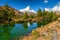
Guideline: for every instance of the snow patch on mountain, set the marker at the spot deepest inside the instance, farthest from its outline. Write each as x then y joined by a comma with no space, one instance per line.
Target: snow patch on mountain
56,8
47,9
27,9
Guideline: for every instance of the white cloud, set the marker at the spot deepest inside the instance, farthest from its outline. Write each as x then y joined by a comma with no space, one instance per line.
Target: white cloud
45,1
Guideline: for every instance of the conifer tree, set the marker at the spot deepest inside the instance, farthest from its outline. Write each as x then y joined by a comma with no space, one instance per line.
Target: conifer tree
39,13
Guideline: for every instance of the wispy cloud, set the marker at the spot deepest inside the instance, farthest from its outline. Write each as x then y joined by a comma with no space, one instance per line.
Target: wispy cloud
45,1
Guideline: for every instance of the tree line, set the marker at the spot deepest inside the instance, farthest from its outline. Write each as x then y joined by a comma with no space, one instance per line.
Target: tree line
7,14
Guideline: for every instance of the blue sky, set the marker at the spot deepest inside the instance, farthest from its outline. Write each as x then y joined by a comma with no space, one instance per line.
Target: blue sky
34,4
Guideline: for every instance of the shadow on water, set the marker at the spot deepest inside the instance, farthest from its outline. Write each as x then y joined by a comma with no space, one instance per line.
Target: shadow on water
5,31
25,26
22,29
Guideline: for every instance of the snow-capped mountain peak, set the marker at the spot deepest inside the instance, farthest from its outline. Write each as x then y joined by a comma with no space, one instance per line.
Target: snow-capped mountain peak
56,8
27,9
47,9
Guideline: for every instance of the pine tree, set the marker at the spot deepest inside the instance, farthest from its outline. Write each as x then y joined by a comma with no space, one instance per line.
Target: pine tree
39,13
25,16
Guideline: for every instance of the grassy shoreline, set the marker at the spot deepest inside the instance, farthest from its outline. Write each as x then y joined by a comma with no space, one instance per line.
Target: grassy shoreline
43,33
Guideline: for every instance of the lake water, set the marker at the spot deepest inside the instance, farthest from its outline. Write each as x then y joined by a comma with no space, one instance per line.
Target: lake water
12,31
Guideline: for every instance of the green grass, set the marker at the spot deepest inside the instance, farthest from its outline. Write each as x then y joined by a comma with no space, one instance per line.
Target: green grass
35,34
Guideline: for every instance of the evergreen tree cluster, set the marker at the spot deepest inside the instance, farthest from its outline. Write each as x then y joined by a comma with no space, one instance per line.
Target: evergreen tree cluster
6,14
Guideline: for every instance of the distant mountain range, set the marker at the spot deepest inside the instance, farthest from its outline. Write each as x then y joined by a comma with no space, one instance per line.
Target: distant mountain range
56,8
27,9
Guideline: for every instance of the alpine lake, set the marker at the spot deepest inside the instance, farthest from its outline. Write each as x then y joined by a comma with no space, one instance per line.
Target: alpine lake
15,30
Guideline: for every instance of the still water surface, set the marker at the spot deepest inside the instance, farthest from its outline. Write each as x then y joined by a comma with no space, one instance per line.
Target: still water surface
12,31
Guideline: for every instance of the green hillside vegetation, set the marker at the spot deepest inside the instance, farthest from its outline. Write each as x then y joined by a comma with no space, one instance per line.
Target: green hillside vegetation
7,14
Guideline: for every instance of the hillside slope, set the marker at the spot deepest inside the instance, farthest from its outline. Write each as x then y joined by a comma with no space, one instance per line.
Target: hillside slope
17,12
50,31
